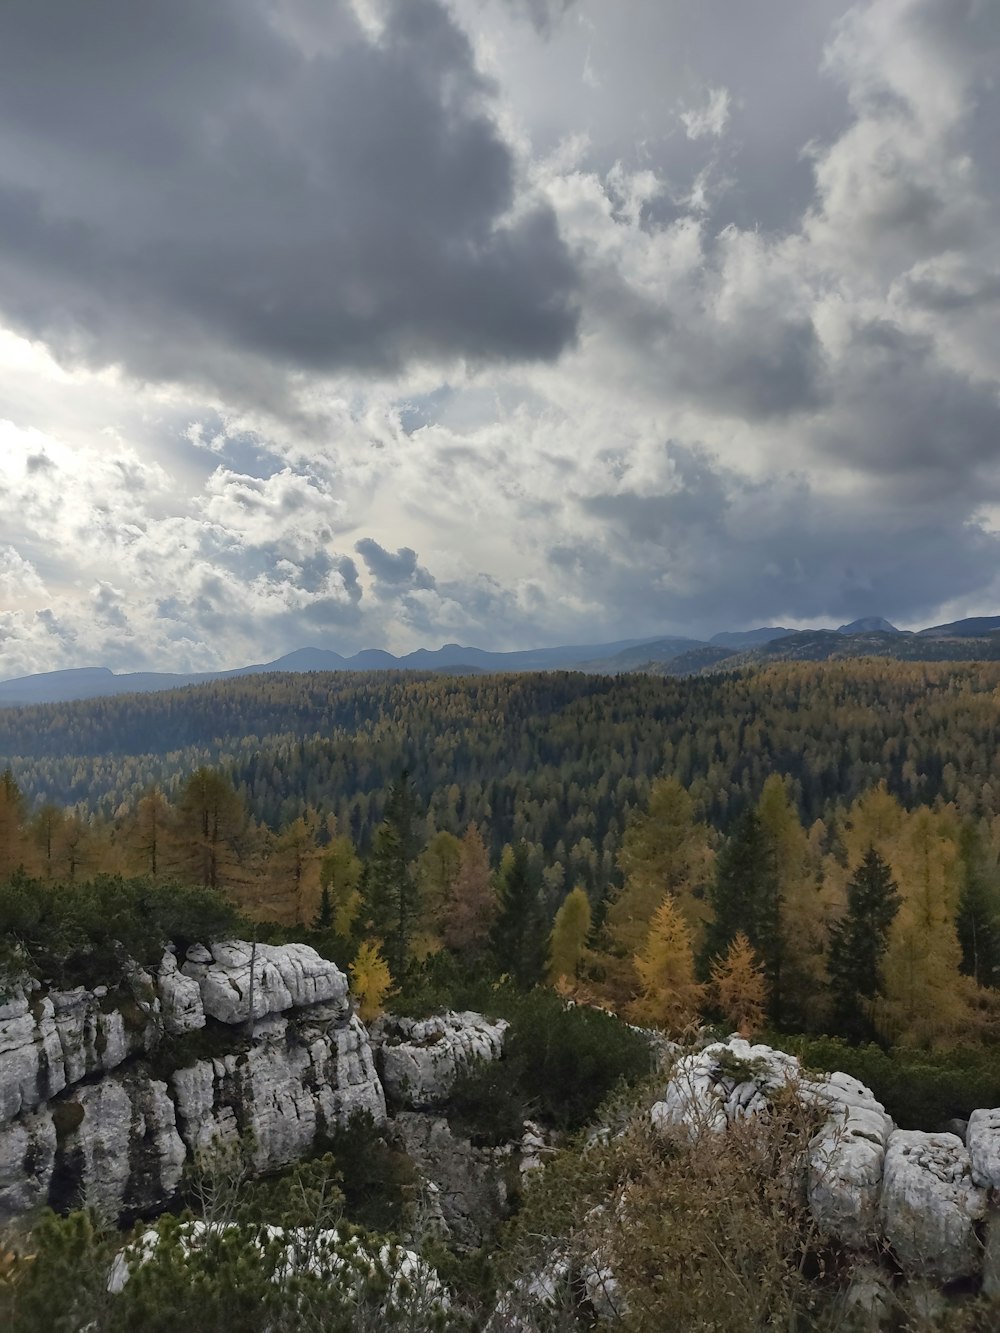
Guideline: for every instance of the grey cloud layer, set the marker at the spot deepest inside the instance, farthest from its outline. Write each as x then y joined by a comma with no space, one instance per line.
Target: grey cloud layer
534,242
186,184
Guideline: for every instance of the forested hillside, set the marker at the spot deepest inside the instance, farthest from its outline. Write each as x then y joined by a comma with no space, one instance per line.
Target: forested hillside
558,760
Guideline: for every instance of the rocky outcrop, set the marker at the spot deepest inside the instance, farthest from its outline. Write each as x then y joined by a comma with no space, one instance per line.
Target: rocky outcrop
930,1206
239,981
468,1182
868,1184
982,1136
296,1078
420,1059
84,1118
49,1041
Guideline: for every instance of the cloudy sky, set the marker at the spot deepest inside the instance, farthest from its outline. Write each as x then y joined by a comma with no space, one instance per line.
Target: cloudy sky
511,322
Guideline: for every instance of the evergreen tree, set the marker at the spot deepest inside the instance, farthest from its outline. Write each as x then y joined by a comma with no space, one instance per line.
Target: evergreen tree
858,944
518,934
390,903
978,920
665,965
745,898
568,941
323,919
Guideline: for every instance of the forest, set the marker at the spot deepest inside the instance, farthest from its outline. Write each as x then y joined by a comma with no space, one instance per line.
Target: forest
826,834
808,855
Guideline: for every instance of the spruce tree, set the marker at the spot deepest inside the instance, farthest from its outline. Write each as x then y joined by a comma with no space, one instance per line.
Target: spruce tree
519,934
858,943
745,897
978,920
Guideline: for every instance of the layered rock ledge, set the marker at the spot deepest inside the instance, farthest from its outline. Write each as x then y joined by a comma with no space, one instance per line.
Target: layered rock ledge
105,1095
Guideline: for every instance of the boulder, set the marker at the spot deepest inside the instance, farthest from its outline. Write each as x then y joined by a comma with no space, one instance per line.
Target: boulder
982,1138
420,1059
180,998
282,977
27,1159
930,1205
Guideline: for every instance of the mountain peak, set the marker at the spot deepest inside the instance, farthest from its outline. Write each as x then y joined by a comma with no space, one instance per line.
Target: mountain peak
869,625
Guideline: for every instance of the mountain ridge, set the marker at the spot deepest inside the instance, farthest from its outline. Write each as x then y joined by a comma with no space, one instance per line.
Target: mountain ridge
976,636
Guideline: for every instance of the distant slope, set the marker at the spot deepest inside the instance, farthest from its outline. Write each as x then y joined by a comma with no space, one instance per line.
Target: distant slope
972,628
748,638
99,682
836,645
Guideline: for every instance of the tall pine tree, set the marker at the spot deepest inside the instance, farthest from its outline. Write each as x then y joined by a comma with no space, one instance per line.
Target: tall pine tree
519,936
858,943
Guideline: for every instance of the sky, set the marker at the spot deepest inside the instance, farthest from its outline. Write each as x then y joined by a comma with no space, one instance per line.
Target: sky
392,323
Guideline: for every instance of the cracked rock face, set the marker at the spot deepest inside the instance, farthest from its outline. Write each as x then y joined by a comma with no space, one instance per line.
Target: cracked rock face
50,1042
295,1079
468,1182
82,1119
285,976
930,1205
420,1059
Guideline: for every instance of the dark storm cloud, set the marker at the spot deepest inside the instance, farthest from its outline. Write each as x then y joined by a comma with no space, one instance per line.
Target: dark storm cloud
718,549
183,184
542,14
393,571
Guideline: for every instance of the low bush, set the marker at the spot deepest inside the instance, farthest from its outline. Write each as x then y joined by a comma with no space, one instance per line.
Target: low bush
919,1089
83,934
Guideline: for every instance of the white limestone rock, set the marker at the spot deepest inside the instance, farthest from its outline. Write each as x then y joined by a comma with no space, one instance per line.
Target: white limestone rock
27,1158
733,1080
180,998
285,976
50,1042
982,1138
991,1257
295,1078
118,1149
930,1205
420,1059
31,1059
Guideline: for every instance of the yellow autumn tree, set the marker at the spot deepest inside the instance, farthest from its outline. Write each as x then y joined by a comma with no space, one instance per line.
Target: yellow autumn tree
293,871
665,851
670,995
739,987
568,941
370,979
803,915
925,1000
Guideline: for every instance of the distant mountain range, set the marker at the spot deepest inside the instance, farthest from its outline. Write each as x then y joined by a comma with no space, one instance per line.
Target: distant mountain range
976,637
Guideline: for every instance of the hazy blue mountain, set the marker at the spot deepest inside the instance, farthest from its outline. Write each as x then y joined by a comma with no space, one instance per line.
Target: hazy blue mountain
869,625
666,655
748,638
971,628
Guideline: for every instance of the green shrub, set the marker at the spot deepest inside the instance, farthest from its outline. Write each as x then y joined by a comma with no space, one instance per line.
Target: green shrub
919,1089
83,933
560,1063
